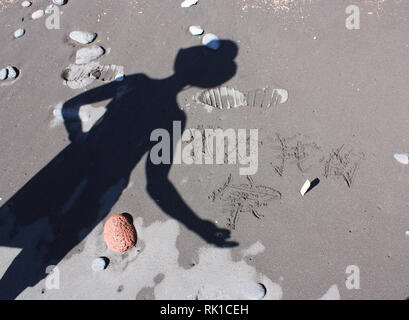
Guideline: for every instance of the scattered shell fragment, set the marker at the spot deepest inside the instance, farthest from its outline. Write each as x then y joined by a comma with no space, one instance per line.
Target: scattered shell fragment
88,54
26,4
83,37
37,14
305,187
100,264
196,30
19,33
188,3
402,158
211,41
3,74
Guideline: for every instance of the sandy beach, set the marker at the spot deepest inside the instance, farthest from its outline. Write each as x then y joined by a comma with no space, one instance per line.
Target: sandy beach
303,91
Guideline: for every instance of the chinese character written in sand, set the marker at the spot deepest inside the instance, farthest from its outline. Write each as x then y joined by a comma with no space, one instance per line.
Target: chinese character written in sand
343,164
246,197
295,150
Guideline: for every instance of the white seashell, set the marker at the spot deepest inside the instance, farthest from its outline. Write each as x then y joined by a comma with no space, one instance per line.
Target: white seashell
196,30
19,33
211,41
188,3
305,187
37,14
83,37
402,158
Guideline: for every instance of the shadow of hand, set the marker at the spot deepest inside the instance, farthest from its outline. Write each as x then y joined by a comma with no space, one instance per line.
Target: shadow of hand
217,236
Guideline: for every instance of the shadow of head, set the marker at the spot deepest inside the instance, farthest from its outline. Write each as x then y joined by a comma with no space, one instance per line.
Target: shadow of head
205,68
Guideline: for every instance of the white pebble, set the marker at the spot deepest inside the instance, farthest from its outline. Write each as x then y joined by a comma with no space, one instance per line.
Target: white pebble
253,290
26,4
407,233
402,158
19,33
188,3
83,37
99,264
211,41
305,187
196,30
37,14
12,72
88,54
59,2
3,74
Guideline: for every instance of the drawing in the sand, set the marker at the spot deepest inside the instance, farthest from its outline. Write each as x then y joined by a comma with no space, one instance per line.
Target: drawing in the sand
297,150
343,163
244,198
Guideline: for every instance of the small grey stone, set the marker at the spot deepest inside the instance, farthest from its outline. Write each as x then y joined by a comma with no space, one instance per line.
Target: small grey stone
83,37
85,55
26,4
3,74
100,264
59,2
12,72
19,33
37,14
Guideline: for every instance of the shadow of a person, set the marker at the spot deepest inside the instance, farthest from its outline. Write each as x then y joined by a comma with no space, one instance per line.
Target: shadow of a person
63,202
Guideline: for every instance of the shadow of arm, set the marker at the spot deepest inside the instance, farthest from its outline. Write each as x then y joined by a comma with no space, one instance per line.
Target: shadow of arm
71,108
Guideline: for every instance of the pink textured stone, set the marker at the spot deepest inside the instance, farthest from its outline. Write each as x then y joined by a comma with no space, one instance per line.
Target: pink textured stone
119,233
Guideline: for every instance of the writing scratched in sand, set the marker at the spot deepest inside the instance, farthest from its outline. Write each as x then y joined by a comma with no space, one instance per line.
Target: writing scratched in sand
343,164
295,150
245,197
